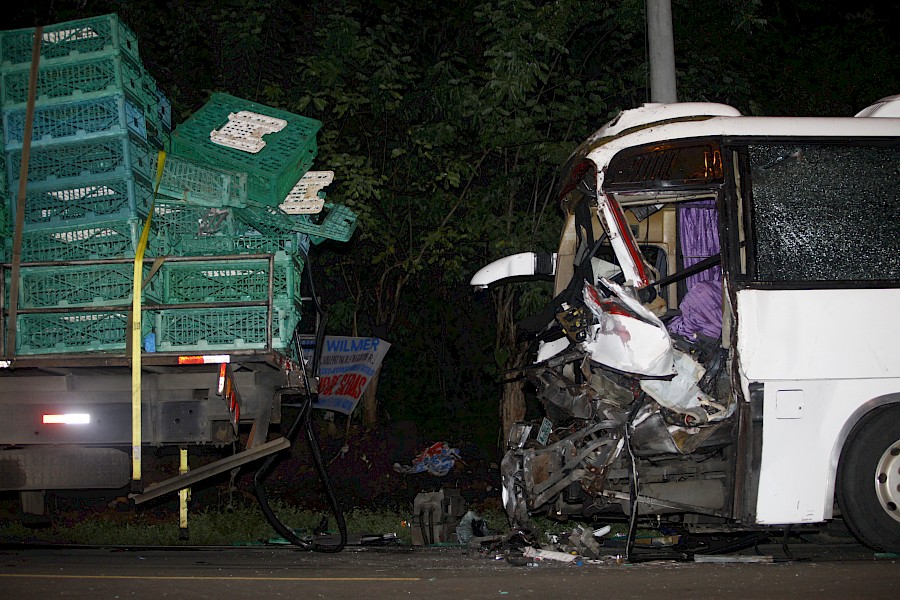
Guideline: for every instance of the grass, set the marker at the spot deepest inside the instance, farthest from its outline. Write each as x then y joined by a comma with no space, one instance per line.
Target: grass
237,524
242,525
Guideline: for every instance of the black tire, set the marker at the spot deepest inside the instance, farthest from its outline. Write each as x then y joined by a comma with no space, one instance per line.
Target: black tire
868,480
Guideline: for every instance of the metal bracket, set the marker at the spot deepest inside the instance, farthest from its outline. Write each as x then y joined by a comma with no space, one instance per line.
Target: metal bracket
220,466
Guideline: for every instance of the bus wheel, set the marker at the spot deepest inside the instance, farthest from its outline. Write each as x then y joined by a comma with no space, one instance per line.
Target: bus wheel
868,480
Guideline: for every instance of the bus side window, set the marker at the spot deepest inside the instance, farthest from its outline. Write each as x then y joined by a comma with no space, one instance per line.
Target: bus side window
825,212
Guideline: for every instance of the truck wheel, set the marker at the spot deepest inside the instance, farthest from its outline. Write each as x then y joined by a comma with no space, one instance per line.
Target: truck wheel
868,480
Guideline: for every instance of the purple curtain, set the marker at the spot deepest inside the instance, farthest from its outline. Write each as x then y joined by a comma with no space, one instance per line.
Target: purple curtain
701,308
698,226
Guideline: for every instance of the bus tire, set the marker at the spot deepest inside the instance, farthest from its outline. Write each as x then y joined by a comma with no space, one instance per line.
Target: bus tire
868,480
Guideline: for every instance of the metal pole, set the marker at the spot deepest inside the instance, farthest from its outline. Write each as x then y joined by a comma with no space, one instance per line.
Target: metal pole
662,51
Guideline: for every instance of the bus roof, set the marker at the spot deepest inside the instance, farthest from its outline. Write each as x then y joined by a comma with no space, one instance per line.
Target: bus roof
668,122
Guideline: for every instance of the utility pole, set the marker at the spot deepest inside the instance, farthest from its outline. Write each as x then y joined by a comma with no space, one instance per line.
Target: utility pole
662,51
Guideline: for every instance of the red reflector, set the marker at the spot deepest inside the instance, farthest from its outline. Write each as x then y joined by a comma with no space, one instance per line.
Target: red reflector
221,387
204,359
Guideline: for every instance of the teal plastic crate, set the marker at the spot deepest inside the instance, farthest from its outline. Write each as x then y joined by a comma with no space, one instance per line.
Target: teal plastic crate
84,202
250,242
256,242
75,121
201,184
231,280
335,222
81,285
5,227
81,38
164,110
190,230
4,188
185,229
197,330
75,80
274,170
102,239
119,156
76,332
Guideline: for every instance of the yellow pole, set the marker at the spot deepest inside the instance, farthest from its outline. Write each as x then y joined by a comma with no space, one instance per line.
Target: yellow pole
183,496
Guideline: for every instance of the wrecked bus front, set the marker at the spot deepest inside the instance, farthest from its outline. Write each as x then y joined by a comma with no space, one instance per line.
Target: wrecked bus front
720,345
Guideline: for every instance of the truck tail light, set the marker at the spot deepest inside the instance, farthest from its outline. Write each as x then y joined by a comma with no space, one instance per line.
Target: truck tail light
68,419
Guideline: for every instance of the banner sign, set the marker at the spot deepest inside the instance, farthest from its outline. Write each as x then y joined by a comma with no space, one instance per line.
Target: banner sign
346,366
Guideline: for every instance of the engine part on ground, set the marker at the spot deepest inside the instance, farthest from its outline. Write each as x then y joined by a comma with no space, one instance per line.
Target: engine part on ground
436,516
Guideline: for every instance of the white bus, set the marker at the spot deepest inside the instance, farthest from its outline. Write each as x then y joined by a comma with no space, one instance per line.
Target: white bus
722,347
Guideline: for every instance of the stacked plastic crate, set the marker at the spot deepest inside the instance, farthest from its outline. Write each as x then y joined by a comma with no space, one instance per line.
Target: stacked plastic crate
236,182
235,169
99,121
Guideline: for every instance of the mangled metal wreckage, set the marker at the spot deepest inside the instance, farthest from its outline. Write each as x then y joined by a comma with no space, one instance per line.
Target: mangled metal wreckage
647,403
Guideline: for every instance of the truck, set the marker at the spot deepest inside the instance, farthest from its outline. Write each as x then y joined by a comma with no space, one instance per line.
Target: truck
154,289
720,350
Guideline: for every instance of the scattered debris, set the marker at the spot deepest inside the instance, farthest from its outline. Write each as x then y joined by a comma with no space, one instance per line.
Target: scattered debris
438,460
436,516
531,552
471,526
705,558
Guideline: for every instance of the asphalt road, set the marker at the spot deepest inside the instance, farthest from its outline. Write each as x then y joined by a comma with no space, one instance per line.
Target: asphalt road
826,573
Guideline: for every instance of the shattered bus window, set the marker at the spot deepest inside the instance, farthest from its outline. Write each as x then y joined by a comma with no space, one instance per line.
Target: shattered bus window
816,219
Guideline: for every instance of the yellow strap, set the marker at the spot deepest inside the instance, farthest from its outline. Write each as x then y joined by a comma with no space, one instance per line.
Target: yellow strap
136,340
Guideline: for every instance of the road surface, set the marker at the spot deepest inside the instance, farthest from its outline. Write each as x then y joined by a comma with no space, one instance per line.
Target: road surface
843,573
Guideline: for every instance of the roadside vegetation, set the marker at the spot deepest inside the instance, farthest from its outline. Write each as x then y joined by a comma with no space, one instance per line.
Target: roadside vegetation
241,525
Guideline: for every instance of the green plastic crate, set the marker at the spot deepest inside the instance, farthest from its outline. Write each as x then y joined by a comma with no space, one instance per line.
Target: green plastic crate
274,170
197,330
76,332
201,184
75,121
81,285
5,231
231,280
81,38
4,188
66,163
185,229
75,80
190,230
256,242
335,222
164,110
251,242
84,202
102,239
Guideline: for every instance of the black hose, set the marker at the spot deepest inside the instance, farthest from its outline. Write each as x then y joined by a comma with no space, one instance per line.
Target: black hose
633,483
320,330
422,527
632,495
303,419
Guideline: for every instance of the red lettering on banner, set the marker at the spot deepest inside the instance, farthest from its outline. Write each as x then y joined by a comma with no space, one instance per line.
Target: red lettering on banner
326,384
351,385
360,384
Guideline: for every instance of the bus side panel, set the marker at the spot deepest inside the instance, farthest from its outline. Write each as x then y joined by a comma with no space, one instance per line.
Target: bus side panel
824,356
819,334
